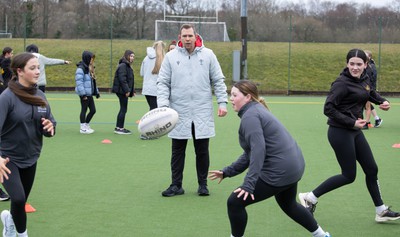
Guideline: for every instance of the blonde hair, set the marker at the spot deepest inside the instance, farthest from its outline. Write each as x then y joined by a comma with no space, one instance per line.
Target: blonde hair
159,47
247,87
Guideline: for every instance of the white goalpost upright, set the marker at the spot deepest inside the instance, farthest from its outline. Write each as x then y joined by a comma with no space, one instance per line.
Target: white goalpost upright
209,27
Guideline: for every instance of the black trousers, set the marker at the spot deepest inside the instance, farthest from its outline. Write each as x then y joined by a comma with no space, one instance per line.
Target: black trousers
151,101
178,159
351,146
284,196
123,108
85,104
19,186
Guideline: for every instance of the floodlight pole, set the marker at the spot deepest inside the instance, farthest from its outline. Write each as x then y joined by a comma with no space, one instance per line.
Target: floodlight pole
243,19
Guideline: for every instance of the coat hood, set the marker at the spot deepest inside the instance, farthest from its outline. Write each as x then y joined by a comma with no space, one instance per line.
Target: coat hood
84,64
198,45
151,52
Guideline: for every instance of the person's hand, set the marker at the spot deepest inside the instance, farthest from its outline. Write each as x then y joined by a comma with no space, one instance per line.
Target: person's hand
243,193
67,62
4,171
127,94
97,96
222,112
360,123
216,174
385,105
48,126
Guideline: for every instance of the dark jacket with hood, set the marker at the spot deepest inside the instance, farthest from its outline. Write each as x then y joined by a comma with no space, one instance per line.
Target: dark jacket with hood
347,97
5,71
124,78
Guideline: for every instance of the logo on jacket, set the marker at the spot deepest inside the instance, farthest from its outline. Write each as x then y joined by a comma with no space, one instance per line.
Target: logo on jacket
367,88
178,62
201,62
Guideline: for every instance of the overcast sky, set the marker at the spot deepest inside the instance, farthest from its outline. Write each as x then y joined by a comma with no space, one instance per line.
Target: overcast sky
375,3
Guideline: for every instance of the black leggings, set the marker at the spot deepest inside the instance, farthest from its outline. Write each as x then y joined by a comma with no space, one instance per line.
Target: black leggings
123,108
18,186
151,101
85,104
351,146
284,196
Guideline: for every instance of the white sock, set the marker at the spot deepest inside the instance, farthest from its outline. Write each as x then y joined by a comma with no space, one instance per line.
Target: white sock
25,234
312,198
377,117
380,209
319,232
233,236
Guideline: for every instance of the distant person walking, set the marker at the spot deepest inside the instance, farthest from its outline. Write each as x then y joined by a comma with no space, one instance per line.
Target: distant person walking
25,117
123,87
43,61
5,70
373,76
86,88
344,108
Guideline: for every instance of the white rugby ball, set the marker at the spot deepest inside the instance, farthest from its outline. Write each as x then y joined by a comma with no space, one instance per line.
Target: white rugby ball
158,122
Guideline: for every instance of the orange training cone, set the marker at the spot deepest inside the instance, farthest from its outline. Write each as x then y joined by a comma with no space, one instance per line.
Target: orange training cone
29,208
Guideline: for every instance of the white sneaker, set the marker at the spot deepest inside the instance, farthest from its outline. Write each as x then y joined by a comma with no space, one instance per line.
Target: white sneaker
89,128
8,223
327,234
86,130
306,203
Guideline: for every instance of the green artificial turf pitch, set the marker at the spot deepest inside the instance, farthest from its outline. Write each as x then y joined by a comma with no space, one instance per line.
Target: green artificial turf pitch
86,188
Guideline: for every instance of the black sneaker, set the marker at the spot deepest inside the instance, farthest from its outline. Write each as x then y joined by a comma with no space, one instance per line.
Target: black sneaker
307,204
378,123
172,191
3,196
366,126
387,215
122,131
203,190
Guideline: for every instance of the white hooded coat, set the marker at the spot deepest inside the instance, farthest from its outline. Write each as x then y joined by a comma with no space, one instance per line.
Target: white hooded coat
149,80
185,83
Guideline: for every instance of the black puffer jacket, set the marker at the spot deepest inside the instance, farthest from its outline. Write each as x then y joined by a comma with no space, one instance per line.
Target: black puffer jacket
124,78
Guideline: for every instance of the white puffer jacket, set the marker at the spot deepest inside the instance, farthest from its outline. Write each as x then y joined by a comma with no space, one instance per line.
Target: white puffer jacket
149,80
185,83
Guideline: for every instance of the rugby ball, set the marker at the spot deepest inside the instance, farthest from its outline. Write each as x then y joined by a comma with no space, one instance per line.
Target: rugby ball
158,122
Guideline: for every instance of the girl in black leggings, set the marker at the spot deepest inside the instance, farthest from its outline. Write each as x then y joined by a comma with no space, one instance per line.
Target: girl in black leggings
344,107
273,169
25,115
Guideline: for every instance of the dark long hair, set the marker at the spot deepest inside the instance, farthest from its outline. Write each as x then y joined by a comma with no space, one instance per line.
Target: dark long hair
26,94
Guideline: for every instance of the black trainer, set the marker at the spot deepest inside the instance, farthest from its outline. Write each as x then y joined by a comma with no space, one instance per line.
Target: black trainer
3,195
172,191
366,126
378,122
387,215
203,190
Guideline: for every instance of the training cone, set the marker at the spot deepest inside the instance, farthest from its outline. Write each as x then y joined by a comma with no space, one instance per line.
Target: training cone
106,141
29,208
396,145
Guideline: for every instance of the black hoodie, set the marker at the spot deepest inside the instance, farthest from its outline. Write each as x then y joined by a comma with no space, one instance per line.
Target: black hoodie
347,97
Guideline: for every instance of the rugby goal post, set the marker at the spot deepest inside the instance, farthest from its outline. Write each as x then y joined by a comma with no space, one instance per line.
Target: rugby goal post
208,27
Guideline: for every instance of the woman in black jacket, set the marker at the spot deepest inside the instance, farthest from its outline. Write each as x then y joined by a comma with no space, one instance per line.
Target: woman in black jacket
344,108
123,88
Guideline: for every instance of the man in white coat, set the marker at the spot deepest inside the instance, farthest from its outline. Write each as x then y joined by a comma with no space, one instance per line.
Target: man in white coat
185,83
43,61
